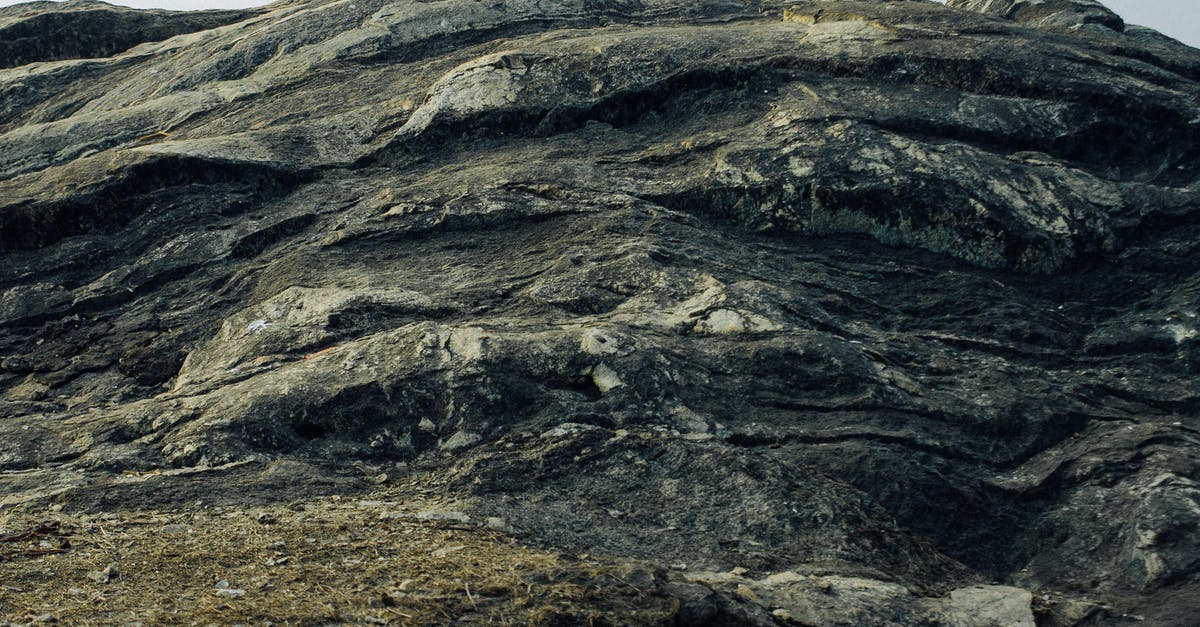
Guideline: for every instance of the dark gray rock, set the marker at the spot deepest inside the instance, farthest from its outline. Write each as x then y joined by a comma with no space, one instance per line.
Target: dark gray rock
894,292
86,29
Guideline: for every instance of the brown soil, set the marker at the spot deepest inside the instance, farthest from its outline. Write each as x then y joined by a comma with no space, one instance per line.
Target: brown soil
334,560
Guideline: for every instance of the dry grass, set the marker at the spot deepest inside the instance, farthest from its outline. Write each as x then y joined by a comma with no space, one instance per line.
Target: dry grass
313,563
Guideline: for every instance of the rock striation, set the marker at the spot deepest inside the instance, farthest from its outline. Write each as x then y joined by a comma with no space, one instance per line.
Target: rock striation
891,298
1061,14
83,29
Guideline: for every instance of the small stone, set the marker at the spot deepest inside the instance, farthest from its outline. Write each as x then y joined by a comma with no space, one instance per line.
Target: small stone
595,343
781,614
460,440
605,378
265,519
447,550
104,576
746,594
231,593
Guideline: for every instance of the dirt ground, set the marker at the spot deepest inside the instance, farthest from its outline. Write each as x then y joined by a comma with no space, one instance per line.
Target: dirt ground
385,559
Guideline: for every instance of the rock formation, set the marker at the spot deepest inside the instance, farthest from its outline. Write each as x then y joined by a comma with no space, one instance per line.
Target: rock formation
894,295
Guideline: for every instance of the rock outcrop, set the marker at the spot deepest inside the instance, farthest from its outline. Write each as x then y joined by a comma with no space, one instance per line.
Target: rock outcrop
82,29
893,298
1068,14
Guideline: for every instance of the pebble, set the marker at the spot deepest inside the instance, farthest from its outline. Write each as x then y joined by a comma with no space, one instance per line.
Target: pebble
109,573
224,590
746,594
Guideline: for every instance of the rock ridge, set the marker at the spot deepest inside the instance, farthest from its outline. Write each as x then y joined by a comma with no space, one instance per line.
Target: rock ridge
897,298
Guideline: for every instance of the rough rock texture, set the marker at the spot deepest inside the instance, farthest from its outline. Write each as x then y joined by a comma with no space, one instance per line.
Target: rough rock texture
78,29
895,294
1066,14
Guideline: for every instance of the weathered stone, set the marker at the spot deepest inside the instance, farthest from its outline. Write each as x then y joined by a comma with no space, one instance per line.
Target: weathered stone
1046,13
994,605
817,600
895,297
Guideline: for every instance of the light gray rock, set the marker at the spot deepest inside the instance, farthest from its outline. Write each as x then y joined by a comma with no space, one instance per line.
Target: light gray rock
989,606
1047,13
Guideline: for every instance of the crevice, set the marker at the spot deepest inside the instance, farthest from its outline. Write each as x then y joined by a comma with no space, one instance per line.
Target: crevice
126,194
254,244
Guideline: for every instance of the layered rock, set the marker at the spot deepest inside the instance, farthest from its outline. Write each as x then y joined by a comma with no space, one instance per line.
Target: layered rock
894,292
84,29
1067,14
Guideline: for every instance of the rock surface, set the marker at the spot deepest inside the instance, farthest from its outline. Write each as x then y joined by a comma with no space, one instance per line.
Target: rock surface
895,294
81,29
1068,14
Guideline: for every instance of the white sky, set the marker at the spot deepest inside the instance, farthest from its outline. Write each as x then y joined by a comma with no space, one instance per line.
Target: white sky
1178,18
178,5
